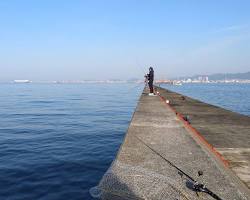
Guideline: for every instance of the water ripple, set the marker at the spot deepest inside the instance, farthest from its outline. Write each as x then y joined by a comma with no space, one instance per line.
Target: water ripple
56,141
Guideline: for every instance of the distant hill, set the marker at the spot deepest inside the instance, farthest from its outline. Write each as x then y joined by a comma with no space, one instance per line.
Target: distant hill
222,76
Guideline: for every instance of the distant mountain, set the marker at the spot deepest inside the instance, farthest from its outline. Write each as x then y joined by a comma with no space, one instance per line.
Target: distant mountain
223,76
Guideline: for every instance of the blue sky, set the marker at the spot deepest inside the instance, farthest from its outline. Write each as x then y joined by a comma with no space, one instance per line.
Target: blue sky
76,40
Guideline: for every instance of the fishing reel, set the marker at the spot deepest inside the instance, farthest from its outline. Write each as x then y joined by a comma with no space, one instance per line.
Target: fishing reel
195,185
199,187
146,76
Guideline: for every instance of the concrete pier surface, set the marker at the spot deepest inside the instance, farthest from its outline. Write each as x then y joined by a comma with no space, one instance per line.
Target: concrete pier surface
228,132
160,159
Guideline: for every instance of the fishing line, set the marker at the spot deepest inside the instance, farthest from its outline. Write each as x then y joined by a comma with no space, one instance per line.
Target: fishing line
136,86
140,67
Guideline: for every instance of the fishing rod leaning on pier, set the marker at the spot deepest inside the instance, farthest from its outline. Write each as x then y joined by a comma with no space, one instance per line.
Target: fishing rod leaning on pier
196,186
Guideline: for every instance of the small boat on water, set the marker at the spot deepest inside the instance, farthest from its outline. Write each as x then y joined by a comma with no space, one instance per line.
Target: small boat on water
22,81
177,83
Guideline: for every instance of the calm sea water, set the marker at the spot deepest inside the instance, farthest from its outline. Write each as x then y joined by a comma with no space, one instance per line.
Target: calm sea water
235,97
56,141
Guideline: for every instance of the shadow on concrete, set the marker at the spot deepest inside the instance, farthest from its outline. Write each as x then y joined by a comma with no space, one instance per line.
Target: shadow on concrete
112,188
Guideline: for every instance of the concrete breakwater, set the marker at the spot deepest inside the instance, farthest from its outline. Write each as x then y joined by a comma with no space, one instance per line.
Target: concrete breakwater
166,145
226,131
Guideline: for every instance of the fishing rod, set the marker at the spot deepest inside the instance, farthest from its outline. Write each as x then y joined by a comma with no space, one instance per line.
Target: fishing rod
140,67
196,186
138,84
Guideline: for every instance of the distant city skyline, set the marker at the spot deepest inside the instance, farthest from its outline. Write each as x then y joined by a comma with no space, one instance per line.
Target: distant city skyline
87,40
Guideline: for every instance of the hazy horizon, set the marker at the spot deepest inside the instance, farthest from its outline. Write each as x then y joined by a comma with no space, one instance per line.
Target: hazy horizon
84,40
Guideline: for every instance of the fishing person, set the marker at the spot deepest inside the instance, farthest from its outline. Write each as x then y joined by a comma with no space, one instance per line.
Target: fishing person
150,77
